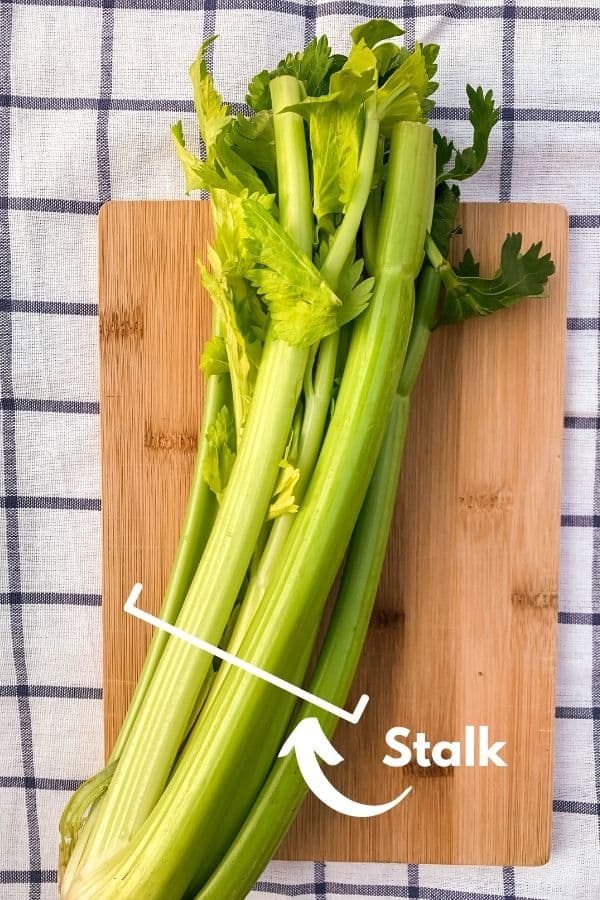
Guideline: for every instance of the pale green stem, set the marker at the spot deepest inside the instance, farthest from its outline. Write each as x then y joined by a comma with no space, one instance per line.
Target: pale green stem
159,728
315,416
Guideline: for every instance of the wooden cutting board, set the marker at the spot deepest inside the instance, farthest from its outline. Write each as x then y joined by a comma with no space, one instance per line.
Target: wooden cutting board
465,626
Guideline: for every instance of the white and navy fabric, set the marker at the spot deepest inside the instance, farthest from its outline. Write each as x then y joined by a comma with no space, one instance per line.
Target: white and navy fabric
88,91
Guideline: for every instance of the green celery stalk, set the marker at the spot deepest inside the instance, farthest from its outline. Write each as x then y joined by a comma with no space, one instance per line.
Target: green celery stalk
318,394
428,295
160,725
285,789
206,795
198,519
371,218
318,401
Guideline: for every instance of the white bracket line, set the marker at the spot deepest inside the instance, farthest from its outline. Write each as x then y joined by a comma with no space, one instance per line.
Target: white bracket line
131,608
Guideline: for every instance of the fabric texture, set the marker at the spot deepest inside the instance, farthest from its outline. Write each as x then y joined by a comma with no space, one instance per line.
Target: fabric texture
89,89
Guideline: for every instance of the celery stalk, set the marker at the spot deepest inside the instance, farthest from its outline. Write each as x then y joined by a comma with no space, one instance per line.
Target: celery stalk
372,211
160,725
285,789
318,400
198,520
428,295
197,523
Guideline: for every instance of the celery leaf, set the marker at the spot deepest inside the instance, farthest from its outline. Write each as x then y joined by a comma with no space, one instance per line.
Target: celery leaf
283,500
226,171
227,160
214,357
375,31
312,66
253,138
197,173
303,307
212,113
444,216
443,153
220,451
389,58
519,275
231,248
403,96
483,115
354,293
242,323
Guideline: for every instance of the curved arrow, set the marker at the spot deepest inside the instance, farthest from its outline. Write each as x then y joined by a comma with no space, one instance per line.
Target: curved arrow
311,744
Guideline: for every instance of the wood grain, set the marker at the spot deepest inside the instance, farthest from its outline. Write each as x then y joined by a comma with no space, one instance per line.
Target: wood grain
465,626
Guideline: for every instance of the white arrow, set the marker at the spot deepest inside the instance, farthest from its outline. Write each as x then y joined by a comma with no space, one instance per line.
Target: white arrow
310,743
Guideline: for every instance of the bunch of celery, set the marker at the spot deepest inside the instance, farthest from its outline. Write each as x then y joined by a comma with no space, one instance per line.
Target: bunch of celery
333,215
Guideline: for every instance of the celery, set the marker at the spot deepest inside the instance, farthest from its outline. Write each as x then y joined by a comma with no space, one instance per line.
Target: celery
199,791
309,391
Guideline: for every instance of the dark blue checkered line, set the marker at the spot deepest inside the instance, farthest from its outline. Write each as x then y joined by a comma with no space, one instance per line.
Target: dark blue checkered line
335,888
51,691
147,104
583,323
16,501
50,205
28,876
38,598
35,404
578,807
580,521
320,887
19,501
102,142
596,609
40,784
413,881
578,712
10,466
91,207
48,307
579,618
508,883
462,11
508,99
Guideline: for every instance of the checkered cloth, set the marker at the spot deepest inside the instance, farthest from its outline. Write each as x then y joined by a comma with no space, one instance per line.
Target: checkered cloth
89,89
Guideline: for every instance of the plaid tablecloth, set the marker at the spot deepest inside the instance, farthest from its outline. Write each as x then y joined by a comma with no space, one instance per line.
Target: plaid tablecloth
89,89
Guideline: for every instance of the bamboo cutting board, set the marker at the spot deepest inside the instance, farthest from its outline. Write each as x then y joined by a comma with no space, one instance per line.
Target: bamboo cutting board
465,626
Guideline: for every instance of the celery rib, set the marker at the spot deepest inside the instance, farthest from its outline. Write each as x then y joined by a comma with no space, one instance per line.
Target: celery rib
313,425
285,789
159,727
198,520
195,529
